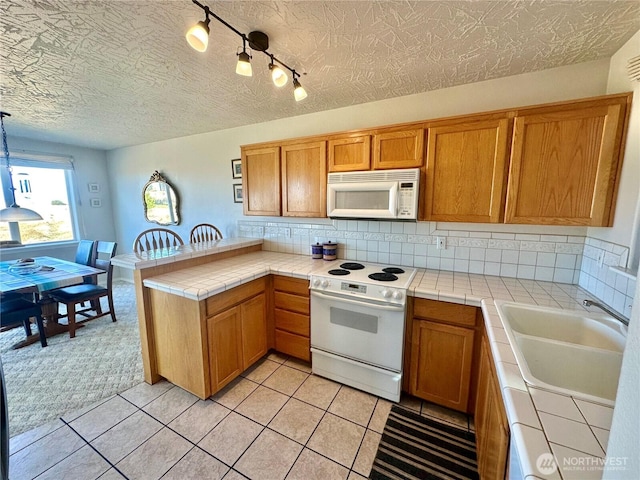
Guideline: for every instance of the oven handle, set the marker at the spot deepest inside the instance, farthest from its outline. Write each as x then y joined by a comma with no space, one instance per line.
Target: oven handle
337,298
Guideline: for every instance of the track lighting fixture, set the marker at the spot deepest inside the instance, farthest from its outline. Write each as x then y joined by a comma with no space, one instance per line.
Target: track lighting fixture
243,67
198,35
278,76
198,38
299,93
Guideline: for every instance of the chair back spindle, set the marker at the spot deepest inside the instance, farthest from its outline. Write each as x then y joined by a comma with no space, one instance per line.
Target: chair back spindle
156,238
204,232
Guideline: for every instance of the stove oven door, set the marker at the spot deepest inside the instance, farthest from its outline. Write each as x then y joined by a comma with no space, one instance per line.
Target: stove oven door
358,330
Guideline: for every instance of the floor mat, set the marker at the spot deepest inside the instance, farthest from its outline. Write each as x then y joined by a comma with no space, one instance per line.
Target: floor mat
416,447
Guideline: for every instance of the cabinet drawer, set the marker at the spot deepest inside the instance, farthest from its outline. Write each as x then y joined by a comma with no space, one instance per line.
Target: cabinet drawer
294,345
295,303
236,295
298,286
292,322
445,312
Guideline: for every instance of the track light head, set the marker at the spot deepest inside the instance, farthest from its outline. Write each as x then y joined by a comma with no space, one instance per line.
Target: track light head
198,35
299,93
243,67
278,75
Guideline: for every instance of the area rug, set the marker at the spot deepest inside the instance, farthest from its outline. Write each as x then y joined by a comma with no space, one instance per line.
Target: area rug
416,447
69,374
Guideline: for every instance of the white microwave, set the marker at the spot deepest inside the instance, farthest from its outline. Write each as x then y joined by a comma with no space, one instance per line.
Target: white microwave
383,194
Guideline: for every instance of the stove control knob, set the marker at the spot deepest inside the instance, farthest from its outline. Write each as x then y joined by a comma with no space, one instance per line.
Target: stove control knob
325,283
397,295
386,293
316,282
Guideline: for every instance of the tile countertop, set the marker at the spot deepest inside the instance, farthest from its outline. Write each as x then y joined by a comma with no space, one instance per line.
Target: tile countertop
541,422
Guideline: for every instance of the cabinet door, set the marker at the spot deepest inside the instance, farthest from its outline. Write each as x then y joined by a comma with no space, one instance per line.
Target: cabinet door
466,172
254,329
261,181
492,431
564,166
225,347
349,154
304,180
441,359
403,149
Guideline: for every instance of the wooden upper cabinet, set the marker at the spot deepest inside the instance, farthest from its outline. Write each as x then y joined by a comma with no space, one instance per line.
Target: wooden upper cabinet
304,179
466,172
350,153
565,163
261,180
398,149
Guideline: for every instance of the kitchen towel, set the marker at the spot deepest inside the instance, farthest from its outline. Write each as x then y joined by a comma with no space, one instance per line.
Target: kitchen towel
413,446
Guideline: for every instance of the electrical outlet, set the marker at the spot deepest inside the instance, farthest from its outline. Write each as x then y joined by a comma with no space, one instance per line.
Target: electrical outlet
287,232
260,231
600,258
441,243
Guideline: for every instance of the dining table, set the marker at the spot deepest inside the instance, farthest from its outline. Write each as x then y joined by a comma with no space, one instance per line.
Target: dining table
46,274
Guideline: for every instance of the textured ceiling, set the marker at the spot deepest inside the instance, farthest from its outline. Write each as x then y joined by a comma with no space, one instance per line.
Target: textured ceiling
110,73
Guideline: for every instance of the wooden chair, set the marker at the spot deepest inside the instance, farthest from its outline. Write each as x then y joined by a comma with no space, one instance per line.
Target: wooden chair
89,292
19,311
156,238
204,232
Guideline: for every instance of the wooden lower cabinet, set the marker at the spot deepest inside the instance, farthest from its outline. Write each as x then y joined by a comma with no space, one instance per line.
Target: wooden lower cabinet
441,359
291,313
492,426
237,339
442,352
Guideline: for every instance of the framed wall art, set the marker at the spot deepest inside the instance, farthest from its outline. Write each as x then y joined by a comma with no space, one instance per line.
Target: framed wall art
236,168
237,192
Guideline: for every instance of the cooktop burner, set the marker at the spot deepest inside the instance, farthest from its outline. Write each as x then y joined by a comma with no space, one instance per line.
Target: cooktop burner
392,270
383,277
352,266
338,271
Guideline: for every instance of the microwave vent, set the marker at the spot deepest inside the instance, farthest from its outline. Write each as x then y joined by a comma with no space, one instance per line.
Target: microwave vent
406,175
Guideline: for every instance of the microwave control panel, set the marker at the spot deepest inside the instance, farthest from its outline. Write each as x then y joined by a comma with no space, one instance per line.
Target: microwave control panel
407,199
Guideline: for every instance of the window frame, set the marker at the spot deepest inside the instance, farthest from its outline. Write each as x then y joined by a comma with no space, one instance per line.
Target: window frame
42,160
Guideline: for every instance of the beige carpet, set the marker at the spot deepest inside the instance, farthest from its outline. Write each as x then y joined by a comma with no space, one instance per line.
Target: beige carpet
103,359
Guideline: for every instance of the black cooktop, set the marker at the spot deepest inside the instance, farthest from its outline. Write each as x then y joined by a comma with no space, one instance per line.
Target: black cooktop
338,271
392,270
383,277
352,266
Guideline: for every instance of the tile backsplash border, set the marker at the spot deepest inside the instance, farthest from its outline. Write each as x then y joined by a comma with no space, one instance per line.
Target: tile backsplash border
571,259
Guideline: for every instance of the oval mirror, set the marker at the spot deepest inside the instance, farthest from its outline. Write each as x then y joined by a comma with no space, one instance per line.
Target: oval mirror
160,201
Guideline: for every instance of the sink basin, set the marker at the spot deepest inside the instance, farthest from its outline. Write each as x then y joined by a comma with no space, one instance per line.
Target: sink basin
571,352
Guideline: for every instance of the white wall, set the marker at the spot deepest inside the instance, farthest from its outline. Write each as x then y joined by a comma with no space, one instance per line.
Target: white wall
624,438
199,166
625,231
90,167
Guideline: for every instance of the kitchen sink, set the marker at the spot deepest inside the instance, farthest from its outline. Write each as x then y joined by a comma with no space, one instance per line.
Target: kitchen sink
571,352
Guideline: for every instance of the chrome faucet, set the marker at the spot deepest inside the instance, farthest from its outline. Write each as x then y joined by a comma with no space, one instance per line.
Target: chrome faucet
591,303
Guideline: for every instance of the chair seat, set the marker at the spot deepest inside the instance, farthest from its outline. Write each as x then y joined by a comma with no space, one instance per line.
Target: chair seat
19,311
78,293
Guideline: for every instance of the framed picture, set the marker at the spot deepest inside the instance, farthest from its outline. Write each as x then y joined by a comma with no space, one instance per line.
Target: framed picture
94,187
95,202
236,168
237,192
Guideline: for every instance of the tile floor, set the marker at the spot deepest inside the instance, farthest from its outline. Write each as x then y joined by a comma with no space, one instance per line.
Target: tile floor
276,421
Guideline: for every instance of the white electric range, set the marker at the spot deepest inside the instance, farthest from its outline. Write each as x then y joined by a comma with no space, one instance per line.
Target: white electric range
357,324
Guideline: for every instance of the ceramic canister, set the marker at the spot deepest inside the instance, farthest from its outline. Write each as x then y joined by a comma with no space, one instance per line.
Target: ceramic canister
329,251
316,251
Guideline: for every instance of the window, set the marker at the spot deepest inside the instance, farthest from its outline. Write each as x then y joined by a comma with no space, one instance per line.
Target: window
42,183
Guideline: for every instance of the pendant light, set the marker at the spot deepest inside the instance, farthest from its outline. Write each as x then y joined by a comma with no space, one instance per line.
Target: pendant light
13,213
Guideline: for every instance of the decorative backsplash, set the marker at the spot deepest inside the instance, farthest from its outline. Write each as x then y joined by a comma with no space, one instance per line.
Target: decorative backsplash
557,258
